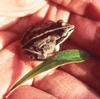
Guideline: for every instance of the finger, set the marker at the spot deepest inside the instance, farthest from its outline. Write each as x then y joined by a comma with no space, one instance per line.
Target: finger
6,38
28,92
56,12
5,22
82,7
87,71
7,59
87,34
51,13
11,67
63,86
62,14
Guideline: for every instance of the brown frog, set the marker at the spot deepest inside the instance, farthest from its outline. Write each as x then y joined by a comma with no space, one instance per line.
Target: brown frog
40,40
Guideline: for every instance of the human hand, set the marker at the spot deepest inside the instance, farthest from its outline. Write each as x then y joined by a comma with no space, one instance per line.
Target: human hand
70,81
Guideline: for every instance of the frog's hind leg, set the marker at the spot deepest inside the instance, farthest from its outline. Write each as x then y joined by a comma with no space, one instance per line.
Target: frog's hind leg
32,54
37,55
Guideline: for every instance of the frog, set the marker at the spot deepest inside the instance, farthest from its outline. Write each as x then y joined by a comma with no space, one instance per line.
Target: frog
43,39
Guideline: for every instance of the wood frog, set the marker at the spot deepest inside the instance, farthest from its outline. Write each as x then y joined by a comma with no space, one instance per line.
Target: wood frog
40,40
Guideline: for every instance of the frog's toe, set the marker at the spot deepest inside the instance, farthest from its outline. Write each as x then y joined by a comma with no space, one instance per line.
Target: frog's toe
57,48
41,57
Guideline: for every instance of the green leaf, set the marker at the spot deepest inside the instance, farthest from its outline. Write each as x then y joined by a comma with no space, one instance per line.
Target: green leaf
59,59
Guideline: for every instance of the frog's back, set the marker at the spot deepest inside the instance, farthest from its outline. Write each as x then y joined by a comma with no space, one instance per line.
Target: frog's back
36,30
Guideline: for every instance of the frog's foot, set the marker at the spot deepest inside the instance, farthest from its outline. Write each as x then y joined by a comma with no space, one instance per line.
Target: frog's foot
42,56
57,48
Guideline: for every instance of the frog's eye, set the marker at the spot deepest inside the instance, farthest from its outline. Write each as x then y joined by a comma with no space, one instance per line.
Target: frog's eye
60,22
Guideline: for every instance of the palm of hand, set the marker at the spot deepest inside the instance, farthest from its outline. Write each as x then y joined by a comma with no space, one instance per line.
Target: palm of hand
13,66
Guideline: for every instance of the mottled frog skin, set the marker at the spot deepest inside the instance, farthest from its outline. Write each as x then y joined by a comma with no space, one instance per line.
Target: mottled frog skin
40,40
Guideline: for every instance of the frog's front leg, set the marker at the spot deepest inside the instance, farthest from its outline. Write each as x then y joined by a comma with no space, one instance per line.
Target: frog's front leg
57,48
